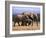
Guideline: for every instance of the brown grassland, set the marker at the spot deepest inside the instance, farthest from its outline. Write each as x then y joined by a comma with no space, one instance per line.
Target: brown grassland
29,27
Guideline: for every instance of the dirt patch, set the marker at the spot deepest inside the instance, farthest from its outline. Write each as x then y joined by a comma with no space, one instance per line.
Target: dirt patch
24,28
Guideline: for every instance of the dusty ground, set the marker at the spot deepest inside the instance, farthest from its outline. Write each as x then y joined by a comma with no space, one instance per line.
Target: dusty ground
24,28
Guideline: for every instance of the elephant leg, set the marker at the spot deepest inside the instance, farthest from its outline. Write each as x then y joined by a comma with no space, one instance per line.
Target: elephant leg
29,22
32,23
25,23
22,23
14,24
36,22
18,24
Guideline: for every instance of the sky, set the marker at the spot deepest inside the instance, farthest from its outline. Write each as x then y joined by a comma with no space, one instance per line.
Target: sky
19,10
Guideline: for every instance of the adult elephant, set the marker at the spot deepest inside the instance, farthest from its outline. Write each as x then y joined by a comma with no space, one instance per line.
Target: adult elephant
35,18
20,19
29,19
32,16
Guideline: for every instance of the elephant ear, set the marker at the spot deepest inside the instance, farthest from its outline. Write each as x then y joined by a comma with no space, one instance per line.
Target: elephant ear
31,14
36,16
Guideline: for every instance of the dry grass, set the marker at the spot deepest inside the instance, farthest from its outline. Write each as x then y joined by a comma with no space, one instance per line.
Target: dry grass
24,28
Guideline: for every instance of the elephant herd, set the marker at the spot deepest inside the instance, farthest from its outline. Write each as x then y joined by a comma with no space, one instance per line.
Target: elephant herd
25,19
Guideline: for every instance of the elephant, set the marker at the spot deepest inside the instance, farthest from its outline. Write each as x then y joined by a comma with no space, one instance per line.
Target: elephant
18,19
29,19
32,16
23,19
35,18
